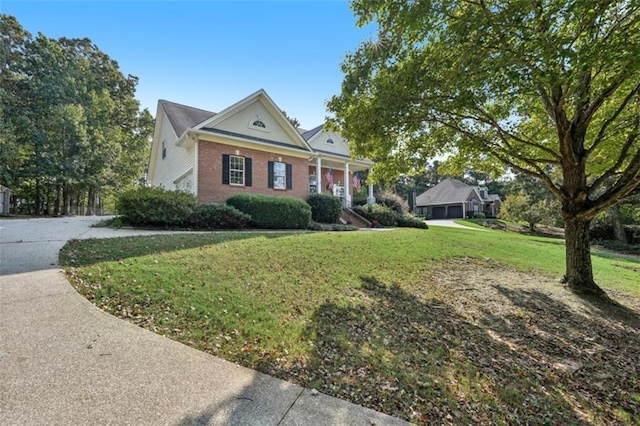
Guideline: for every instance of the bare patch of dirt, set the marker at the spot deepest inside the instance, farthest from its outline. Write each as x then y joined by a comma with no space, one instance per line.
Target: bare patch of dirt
586,350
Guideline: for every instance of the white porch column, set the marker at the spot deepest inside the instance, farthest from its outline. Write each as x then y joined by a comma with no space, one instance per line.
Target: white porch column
347,184
371,199
319,175
463,212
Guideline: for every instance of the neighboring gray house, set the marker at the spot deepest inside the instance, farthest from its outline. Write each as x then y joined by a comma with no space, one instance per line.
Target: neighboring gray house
5,195
452,199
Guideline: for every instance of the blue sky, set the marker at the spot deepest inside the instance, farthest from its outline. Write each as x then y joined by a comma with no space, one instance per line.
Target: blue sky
211,54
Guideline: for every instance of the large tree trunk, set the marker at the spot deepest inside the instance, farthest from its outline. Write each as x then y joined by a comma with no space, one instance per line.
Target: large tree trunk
579,272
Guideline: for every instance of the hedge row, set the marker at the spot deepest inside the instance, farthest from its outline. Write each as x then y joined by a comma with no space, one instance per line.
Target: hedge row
382,215
273,212
158,207
146,206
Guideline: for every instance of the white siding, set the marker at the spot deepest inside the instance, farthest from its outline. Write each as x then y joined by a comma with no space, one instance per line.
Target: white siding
319,142
177,161
240,123
187,183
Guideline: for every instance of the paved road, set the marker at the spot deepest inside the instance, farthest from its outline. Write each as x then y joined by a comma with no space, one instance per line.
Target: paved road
64,361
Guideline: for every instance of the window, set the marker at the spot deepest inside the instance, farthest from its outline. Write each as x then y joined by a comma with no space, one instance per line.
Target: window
236,170
258,123
164,150
329,142
280,175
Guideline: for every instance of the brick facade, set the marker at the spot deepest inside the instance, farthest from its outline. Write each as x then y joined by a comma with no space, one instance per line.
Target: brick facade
211,189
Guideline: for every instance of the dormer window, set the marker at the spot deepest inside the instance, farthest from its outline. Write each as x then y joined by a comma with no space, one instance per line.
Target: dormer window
257,123
329,142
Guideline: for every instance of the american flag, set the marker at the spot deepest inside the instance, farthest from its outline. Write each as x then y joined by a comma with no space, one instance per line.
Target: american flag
329,177
356,181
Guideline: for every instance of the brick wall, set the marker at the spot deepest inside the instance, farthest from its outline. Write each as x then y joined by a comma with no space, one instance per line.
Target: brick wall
211,189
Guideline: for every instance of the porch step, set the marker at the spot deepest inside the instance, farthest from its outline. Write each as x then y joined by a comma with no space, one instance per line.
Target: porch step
353,218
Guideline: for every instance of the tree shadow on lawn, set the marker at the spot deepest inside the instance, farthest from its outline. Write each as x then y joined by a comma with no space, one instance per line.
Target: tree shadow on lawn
90,251
422,359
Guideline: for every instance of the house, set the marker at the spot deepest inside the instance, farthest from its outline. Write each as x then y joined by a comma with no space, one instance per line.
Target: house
452,199
5,197
249,147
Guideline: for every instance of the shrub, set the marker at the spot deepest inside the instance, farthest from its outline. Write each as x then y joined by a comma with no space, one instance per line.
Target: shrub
270,212
325,208
602,231
359,201
393,201
479,215
155,206
407,220
620,247
219,216
116,222
315,226
377,213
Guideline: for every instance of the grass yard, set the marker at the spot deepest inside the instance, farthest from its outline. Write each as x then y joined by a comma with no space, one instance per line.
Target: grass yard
445,325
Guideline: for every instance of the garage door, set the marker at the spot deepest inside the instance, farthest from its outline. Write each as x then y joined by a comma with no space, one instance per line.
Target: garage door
455,212
438,213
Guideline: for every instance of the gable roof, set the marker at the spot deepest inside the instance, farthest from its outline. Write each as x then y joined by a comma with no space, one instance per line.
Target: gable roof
447,191
183,117
311,133
259,96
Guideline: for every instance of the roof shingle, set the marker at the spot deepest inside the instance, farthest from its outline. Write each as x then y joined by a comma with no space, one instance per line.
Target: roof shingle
184,117
447,191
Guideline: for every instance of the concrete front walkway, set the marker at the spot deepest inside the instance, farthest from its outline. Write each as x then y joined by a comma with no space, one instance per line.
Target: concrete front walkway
64,361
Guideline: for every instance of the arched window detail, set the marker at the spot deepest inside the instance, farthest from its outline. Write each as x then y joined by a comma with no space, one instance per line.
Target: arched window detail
258,123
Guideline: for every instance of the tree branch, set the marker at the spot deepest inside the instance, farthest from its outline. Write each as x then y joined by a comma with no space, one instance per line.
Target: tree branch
611,119
605,94
621,157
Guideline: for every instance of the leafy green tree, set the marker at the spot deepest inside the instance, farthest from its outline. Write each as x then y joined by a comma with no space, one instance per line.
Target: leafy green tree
520,208
70,125
524,84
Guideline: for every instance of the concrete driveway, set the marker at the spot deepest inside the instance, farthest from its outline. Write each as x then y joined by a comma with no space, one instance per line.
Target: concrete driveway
64,361
449,223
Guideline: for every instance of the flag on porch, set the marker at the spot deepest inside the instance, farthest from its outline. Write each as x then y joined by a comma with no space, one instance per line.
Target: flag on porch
356,181
329,177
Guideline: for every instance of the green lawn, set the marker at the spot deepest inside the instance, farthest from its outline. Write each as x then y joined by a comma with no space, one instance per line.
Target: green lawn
441,325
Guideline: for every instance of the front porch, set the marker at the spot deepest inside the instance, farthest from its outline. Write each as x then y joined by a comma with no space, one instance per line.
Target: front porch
338,178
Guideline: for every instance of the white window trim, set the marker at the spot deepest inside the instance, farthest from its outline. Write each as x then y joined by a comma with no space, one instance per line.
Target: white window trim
261,129
283,176
231,169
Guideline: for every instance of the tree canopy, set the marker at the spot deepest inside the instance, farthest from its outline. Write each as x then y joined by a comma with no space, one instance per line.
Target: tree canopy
71,129
531,85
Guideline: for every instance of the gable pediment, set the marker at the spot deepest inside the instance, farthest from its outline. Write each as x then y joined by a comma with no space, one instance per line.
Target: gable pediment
256,118
329,142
